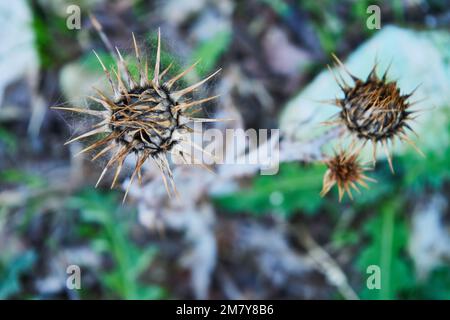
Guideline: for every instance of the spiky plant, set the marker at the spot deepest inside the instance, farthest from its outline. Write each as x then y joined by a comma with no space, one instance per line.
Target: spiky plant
145,117
346,171
374,110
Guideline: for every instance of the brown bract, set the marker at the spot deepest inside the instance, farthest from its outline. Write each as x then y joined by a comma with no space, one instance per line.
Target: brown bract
344,170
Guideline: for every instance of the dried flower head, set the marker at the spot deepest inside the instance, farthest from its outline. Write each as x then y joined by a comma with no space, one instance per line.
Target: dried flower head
145,117
344,170
375,110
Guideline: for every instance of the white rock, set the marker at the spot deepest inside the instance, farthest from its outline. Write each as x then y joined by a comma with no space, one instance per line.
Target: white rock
429,244
18,57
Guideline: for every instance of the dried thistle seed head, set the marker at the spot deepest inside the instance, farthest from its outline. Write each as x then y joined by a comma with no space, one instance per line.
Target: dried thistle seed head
344,170
145,117
375,110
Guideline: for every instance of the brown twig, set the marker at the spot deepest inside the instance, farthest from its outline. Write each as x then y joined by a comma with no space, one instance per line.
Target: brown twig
324,262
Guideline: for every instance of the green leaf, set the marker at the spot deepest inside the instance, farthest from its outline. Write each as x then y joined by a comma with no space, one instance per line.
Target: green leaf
10,272
105,210
294,188
9,140
91,63
49,30
279,6
150,293
210,51
21,177
342,238
435,287
142,261
433,170
388,235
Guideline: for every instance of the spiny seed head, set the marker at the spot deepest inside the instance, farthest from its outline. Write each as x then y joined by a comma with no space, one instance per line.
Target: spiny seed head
344,170
374,110
145,117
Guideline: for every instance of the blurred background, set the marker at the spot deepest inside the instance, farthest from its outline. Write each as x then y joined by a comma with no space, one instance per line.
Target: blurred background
233,235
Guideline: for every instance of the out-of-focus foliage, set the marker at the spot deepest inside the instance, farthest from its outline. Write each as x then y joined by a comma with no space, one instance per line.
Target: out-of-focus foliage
11,269
433,171
8,140
209,51
387,235
104,223
16,176
295,187
47,31
384,236
435,287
